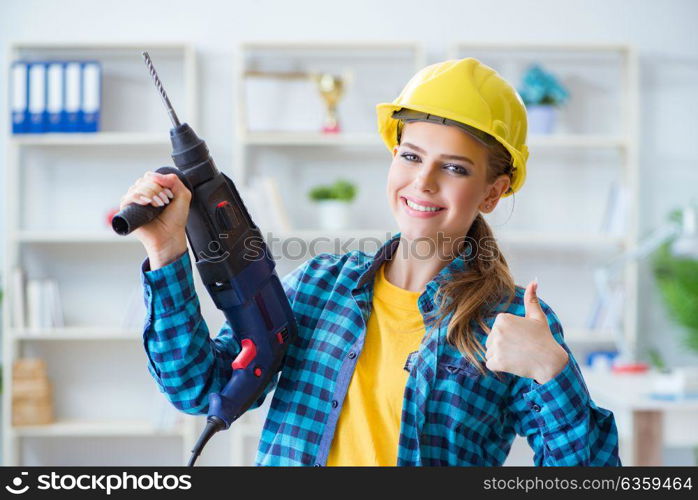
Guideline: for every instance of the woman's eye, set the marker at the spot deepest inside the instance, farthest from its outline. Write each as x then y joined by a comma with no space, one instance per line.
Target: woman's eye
457,169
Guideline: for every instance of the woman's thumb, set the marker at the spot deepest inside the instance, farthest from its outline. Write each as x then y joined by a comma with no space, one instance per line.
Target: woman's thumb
531,302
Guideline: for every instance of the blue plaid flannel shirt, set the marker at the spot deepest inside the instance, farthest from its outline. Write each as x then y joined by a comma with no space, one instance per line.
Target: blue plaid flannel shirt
452,415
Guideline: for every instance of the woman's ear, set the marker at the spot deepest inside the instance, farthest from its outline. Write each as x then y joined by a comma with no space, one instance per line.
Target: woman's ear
497,189
502,184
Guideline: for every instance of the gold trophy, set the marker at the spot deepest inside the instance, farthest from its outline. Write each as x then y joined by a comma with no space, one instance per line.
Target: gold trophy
331,88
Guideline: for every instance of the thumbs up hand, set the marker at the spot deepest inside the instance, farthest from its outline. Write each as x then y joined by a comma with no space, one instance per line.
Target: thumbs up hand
525,346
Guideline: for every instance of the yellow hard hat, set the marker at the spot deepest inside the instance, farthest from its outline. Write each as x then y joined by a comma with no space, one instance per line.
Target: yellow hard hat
465,91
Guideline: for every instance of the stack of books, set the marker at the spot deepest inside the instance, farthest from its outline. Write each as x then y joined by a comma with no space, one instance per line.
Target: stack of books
36,306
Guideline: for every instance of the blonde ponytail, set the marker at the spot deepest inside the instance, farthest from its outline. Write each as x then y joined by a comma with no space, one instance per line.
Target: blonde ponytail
485,283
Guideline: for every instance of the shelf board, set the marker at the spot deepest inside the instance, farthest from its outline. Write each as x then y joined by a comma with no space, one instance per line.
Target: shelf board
46,237
93,139
102,46
310,139
140,428
77,333
538,46
575,141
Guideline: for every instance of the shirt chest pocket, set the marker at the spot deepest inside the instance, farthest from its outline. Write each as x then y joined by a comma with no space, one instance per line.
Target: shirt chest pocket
463,397
456,368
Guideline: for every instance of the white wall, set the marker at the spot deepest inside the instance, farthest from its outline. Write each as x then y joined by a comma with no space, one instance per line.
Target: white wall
664,32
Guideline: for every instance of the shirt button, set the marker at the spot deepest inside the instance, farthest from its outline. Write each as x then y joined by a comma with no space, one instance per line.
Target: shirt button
352,355
335,403
318,465
536,408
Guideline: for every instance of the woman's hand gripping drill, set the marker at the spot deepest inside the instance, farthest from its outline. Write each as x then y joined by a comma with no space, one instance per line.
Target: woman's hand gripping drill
164,237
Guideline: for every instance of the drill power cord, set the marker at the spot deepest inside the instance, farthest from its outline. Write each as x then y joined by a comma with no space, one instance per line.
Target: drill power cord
213,425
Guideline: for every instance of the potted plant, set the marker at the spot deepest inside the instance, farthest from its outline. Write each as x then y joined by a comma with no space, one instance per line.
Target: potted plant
333,203
542,94
677,280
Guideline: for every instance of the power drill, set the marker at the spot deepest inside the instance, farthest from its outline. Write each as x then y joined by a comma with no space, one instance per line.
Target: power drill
236,267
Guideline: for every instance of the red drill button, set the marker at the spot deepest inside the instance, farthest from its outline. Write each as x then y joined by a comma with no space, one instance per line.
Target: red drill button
225,216
258,372
279,337
247,354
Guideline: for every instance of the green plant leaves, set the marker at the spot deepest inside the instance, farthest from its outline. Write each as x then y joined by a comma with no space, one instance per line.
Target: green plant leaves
342,190
677,279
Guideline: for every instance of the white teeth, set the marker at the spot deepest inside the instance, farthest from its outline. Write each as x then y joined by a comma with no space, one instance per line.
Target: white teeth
421,208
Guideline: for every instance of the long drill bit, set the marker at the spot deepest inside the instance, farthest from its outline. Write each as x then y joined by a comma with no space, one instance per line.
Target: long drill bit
161,90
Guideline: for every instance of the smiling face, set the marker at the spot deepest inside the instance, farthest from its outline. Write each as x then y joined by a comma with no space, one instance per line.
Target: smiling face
438,182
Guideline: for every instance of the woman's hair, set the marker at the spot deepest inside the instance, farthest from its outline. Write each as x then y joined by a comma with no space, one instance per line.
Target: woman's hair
487,280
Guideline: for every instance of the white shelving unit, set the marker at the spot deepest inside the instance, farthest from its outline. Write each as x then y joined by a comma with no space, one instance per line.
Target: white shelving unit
597,138
57,192
292,147
376,72
298,151
595,143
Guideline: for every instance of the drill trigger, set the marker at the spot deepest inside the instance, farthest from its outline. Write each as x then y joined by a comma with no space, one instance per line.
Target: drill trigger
247,354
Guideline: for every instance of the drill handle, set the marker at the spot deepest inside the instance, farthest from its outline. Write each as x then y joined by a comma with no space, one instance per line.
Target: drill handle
134,215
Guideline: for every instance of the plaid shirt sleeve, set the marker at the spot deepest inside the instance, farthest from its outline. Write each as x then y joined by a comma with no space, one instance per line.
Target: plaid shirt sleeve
562,424
184,360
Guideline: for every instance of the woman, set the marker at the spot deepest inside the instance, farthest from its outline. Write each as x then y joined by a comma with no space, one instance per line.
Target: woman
429,355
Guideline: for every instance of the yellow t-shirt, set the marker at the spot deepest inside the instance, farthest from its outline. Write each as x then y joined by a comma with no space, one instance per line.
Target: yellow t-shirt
369,424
